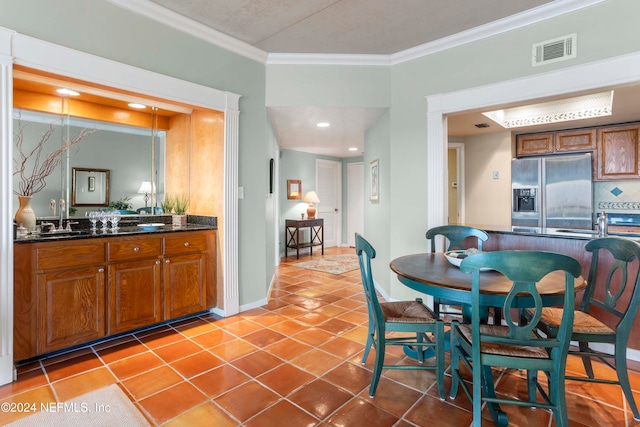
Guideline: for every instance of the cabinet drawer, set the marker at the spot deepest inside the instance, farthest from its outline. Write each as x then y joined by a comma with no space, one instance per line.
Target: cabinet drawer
135,249
64,255
185,243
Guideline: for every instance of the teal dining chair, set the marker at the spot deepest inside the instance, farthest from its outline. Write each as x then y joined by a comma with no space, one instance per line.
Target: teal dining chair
408,321
455,234
602,317
480,347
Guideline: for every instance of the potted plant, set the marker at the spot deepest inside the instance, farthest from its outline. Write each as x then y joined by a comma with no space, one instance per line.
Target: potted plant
180,204
122,205
167,205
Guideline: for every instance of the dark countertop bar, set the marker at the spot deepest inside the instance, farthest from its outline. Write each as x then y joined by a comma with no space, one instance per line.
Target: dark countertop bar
129,227
557,232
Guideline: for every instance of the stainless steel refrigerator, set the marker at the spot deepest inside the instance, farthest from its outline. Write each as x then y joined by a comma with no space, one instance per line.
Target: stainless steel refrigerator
552,192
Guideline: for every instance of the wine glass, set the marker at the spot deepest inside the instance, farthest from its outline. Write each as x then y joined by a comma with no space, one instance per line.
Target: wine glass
104,220
93,217
115,218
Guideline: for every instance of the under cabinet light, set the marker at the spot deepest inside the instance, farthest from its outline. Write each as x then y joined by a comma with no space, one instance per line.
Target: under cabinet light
69,92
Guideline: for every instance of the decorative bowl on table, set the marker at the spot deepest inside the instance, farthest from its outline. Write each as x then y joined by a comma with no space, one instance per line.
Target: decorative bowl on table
151,226
456,257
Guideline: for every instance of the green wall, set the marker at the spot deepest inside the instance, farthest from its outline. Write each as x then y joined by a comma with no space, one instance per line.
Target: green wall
105,30
396,225
605,30
302,166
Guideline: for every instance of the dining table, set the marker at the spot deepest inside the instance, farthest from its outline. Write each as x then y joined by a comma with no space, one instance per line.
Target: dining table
432,274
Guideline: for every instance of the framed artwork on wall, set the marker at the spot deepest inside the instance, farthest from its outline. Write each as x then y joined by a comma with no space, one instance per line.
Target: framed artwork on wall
374,181
294,189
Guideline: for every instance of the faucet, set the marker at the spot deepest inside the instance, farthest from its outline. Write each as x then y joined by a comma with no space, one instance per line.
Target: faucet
62,209
52,226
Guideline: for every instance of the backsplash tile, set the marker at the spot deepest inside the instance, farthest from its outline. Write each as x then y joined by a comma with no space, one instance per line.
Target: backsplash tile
617,196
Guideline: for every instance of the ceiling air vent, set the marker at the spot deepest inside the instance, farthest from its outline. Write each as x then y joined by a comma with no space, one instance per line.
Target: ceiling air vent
555,50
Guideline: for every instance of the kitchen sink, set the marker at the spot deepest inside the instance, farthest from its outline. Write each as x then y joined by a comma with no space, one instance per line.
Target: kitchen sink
63,233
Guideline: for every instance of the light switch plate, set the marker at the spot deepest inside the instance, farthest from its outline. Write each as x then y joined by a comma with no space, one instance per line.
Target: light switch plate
240,192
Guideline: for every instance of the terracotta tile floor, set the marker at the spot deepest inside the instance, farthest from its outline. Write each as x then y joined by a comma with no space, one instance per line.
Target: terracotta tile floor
294,362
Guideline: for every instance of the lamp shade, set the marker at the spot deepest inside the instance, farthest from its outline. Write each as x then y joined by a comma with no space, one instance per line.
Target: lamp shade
311,197
145,187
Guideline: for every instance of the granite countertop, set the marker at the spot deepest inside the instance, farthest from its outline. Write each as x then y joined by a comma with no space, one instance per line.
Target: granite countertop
129,227
631,233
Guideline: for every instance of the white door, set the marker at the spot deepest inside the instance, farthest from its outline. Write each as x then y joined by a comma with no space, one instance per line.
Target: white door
355,201
329,190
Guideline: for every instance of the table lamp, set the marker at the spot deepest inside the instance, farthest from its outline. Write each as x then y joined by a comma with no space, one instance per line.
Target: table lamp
311,197
145,188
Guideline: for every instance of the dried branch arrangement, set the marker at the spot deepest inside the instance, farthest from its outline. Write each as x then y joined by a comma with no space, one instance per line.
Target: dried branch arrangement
32,177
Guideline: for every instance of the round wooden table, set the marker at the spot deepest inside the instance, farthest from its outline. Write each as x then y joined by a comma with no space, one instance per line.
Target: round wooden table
432,274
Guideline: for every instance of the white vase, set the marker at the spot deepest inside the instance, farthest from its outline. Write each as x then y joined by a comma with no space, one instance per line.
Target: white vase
25,215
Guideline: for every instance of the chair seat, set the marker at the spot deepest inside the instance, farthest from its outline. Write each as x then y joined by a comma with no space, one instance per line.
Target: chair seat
406,312
583,323
502,349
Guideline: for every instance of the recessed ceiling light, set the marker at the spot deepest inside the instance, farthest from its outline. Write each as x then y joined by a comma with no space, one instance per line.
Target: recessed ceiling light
353,149
134,105
579,107
64,91
323,125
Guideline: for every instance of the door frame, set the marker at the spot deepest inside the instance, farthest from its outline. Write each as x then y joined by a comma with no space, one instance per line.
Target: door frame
350,231
338,198
459,147
599,75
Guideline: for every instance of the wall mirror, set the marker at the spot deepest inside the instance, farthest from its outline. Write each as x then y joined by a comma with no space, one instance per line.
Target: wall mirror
89,187
130,143
294,189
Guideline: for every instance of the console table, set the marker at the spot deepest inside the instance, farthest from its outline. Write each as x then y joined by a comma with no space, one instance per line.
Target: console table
292,235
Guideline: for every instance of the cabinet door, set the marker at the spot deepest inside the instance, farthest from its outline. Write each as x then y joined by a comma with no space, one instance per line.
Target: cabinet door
71,307
618,152
534,144
184,285
135,298
579,140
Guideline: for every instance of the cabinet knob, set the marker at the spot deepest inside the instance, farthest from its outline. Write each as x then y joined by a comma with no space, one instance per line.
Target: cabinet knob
158,262
136,249
167,261
101,270
186,243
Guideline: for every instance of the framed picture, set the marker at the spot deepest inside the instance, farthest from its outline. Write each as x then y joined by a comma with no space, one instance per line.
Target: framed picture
294,189
374,181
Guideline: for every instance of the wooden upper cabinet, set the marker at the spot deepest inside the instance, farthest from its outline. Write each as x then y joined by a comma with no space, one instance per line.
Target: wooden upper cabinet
618,152
534,144
566,141
575,140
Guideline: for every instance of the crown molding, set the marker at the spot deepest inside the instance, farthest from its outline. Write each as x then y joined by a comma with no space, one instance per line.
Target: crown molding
538,14
189,26
327,59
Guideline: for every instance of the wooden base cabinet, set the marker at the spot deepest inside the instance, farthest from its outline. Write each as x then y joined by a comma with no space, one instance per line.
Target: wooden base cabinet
70,307
183,285
71,292
134,295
